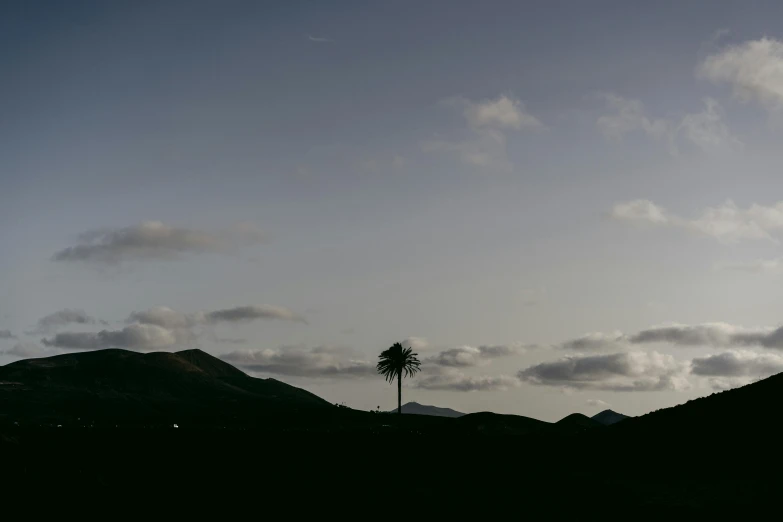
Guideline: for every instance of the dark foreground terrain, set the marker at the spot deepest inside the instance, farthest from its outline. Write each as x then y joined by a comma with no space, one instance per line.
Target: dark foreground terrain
103,424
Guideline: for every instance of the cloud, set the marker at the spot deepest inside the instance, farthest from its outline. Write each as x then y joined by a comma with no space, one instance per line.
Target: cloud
736,367
756,266
140,337
626,116
598,403
65,317
595,341
486,150
453,380
253,312
738,363
627,371
487,122
27,350
162,316
464,356
753,69
501,113
319,39
299,361
151,240
727,223
416,343
720,335
704,130
6,334
707,334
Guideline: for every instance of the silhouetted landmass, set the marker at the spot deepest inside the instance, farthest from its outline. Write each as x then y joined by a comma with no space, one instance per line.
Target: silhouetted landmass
246,438
120,386
609,417
414,408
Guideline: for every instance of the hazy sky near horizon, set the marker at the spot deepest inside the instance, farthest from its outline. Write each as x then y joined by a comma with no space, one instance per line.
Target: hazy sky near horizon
564,206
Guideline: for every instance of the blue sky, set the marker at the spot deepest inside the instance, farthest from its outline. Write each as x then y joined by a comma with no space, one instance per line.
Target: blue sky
294,187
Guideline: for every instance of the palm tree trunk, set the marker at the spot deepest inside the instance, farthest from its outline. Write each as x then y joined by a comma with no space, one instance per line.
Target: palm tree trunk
399,393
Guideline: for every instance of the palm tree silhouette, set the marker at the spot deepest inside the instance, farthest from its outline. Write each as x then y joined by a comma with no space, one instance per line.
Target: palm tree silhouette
393,363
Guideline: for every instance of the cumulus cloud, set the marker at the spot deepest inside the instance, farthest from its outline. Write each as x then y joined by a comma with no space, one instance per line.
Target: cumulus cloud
464,356
150,240
502,113
736,367
596,341
753,69
253,312
454,380
640,210
626,371
487,121
299,361
162,316
27,350
719,335
704,130
65,317
625,116
416,343
727,223
140,337
6,334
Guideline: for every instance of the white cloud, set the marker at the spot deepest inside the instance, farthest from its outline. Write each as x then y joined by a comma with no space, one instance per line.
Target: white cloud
64,317
152,240
754,69
641,210
487,121
598,403
704,130
162,316
464,356
626,371
141,337
596,341
736,367
27,350
320,361
727,223
454,380
416,343
625,116
501,113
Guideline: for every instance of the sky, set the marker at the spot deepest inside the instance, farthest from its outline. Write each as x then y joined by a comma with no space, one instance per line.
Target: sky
562,206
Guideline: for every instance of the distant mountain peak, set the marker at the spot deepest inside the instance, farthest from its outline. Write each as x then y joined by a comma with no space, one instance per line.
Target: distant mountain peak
414,408
608,417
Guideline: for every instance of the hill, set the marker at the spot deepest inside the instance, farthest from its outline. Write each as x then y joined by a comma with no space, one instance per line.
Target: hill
160,387
609,417
414,408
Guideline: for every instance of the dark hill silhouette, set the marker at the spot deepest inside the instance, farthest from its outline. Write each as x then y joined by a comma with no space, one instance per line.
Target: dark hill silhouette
159,387
576,423
609,417
494,423
414,408
747,412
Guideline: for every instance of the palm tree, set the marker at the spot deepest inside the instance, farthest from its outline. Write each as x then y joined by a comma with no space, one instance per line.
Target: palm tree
393,363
